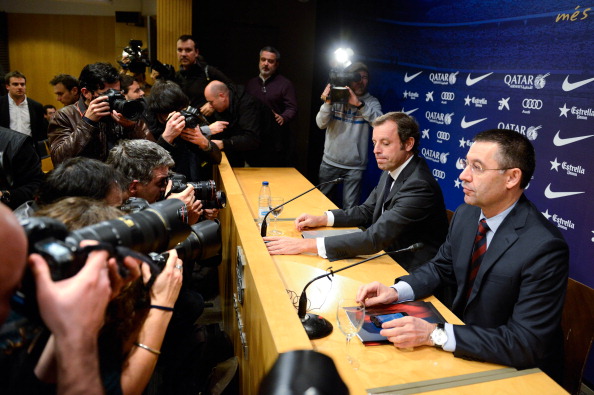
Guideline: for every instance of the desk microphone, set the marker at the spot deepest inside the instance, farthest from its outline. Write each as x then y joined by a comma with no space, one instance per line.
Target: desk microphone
316,326
265,225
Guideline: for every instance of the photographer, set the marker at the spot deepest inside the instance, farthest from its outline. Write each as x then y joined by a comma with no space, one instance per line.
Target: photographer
90,127
193,153
347,136
73,309
145,167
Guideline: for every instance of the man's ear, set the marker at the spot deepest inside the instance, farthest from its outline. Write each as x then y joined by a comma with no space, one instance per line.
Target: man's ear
133,187
410,143
514,177
87,94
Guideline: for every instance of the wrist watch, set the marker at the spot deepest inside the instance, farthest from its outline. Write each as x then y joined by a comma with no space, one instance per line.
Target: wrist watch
439,336
360,106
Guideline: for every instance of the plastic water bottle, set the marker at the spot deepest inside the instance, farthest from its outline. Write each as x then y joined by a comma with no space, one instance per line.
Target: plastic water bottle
263,202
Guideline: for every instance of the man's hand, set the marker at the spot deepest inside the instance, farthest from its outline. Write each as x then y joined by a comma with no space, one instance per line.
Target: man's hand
289,245
120,119
376,293
98,108
165,289
219,144
211,213
279,119
174,126
207,110
308,221
195,136
408,332
218,126
353,99
189,198
325,96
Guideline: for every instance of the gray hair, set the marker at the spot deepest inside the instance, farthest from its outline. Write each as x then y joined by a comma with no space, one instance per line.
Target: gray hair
136,159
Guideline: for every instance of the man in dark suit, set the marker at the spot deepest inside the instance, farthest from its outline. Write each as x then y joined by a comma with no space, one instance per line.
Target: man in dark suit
511,275
19,112
405,208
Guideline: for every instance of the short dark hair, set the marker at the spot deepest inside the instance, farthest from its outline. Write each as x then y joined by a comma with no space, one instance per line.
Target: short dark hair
46,107
126,82
269,48
167,96
94,76
13,74
407,127
186,37
67,80
80,176
515,151
78,212
136,159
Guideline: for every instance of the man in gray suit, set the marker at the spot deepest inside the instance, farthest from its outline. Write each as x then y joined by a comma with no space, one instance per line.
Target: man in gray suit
405,208
510,275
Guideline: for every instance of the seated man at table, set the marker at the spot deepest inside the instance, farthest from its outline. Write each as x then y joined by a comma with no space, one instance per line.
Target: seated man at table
511,274
405,208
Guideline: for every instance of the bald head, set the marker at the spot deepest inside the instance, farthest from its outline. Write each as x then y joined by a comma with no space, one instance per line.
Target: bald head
217,94
13,257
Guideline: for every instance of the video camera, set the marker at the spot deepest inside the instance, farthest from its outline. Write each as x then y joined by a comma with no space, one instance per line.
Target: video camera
166,71
193,117
205,191
340,79
130,109
136,59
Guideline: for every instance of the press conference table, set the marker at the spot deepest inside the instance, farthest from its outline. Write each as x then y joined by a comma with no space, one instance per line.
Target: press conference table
384,368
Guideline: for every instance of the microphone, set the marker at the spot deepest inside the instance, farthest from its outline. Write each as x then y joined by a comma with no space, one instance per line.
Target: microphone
316,326
265,225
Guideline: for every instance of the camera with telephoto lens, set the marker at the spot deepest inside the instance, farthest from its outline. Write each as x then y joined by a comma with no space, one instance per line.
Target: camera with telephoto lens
205,191
135,58
340,79
130,109
193,117
160,227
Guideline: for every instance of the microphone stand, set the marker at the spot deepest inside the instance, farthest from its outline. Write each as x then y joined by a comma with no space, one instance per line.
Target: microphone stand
316,326
264,227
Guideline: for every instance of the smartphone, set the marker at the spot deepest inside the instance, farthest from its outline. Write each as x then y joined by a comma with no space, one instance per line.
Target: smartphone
378,320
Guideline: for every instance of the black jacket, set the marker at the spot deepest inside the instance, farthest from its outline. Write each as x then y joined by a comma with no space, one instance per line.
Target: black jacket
38,127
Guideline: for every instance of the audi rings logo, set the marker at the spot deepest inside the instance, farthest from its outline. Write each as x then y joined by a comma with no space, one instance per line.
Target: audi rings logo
439,174
448,96
443,136
532,104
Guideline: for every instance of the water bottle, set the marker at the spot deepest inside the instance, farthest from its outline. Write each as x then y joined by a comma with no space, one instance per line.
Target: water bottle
263,202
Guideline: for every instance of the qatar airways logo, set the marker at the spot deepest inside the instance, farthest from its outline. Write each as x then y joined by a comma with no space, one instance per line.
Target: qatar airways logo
529,131
443,78
435,156
523,81
562,223
439,117
571,170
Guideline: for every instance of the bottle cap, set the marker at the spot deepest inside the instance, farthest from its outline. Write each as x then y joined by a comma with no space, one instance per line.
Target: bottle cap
264,182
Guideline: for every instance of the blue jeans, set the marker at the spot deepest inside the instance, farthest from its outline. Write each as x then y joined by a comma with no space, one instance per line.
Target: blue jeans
351,186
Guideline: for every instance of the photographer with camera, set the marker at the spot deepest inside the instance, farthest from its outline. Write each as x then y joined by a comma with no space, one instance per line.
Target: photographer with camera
73,309
101,117
146,166
347,131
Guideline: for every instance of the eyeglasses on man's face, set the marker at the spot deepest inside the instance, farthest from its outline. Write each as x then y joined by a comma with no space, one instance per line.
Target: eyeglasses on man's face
476,168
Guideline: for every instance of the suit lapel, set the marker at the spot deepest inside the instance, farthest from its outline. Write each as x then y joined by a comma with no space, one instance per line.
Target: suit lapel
402,177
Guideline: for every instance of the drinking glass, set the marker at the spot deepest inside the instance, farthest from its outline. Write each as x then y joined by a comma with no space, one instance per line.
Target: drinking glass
276,201
350,315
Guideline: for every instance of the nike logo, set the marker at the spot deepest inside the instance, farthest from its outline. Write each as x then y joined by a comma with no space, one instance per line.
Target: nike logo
560,142
409,111
554,195
465,124
569,86
409,79
472,81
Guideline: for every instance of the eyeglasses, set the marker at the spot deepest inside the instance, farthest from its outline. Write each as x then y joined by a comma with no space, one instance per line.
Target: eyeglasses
476,168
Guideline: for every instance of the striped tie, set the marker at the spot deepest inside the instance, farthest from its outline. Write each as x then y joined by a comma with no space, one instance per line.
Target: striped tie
480,247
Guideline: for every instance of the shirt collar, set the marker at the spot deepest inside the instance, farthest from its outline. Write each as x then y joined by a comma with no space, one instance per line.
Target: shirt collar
14,103
495,221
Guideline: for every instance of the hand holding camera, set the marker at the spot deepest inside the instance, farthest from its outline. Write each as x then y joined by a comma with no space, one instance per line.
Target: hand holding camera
98,108
165,289
174,126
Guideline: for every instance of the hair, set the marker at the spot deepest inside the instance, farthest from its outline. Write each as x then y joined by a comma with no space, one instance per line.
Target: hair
165,97
407,127
67,80
78,211
13,74
186,37
81,177
269,48
45,108
136,159
94,76
126,82
515,151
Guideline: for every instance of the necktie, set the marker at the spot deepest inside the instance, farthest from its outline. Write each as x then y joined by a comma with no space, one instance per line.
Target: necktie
387,186
480,247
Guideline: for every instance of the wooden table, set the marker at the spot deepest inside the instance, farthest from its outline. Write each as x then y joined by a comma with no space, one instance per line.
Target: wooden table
381,367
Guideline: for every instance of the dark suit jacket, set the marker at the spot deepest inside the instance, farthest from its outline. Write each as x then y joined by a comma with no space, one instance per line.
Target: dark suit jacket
513,315
38,128
414,212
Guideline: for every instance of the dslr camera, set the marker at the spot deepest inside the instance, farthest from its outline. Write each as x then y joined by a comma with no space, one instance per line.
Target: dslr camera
205,191
193,117
130,109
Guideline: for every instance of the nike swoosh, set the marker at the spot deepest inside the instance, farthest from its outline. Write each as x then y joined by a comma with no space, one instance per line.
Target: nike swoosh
569,86
560,142
465,124
408,79
472,81
409,111
554,195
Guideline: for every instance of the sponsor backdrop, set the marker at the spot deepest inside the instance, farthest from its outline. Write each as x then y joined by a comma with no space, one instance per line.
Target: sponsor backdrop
461,67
